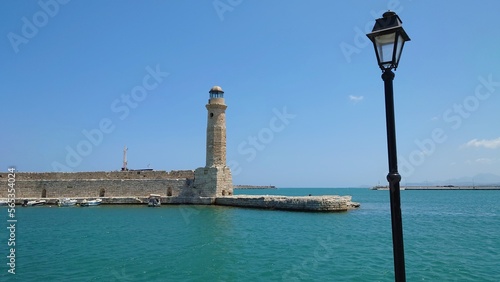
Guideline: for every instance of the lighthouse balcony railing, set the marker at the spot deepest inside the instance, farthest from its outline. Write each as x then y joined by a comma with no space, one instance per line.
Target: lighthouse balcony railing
216,95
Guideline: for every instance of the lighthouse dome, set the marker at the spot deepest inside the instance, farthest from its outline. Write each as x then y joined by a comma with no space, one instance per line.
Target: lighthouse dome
216,89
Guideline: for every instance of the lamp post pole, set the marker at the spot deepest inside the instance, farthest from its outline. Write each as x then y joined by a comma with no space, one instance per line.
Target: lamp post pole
389,37
394,179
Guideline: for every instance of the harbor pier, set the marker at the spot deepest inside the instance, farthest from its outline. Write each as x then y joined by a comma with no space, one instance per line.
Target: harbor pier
270,202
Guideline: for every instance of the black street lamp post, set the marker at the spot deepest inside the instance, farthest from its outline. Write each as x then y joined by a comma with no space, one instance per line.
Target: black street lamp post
388,37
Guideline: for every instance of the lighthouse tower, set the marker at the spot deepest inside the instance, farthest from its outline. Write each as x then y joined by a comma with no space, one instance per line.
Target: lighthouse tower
215,180
216,128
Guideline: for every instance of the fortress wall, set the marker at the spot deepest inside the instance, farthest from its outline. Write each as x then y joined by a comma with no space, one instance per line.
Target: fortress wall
71,187
156,174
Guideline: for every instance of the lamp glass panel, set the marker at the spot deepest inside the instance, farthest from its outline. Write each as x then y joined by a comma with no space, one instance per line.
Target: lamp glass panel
399,48
385,48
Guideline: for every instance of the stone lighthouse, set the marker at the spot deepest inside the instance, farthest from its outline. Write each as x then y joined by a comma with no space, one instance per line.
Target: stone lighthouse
215,180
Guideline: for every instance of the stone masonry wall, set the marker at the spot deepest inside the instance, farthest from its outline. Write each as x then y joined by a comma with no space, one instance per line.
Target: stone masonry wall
131,174
307,203
213,181
98,184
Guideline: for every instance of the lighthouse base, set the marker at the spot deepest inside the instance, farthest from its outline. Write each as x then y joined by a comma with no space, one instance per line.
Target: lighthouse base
213,181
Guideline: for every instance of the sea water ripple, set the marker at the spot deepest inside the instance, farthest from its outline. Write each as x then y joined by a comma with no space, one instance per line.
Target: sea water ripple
448,235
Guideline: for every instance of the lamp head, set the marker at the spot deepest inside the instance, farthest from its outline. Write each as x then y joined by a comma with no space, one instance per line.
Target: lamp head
388,37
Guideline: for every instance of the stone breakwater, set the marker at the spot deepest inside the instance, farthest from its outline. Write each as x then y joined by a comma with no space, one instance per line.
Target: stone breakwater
254,187
305,203
174,187
450,187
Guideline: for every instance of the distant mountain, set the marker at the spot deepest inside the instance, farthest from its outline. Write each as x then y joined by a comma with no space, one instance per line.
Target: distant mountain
478,179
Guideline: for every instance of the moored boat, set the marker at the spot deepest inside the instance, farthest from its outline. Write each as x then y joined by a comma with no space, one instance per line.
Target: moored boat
66,202
27,203
154,200
89,203
380,187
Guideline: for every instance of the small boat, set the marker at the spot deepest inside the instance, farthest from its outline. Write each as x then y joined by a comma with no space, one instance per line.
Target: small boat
86,203
33,203
66,202
154,200
4,203
380,187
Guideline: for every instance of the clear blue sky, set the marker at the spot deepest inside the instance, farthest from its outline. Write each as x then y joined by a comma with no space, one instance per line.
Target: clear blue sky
300,78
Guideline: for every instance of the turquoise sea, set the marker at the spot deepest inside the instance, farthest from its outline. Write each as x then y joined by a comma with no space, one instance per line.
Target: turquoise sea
448,236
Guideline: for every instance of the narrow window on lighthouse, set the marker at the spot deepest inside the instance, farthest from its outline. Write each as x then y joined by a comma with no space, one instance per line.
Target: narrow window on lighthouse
211,115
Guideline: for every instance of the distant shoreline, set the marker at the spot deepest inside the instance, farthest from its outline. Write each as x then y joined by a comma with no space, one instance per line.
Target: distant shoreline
254,187
446,187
